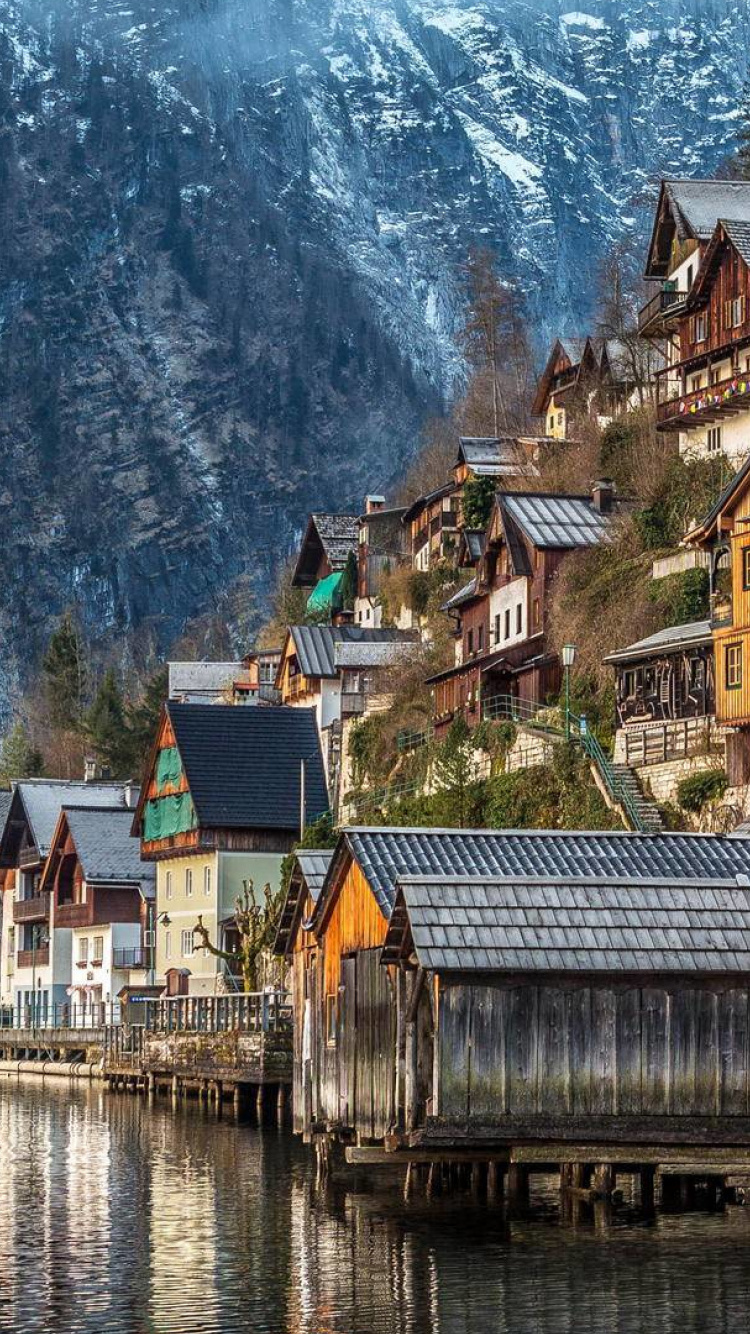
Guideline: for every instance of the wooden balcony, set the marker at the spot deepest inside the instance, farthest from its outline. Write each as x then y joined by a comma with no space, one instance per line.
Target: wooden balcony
28,857
655,317
33,958
74,914
35,909
687,412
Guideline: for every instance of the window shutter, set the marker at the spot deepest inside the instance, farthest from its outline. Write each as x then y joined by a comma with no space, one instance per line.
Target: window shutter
727,314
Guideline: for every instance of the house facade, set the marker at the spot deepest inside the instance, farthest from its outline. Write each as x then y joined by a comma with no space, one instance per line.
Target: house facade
227,792
583,379
502,614
383,546
700,317
37,963
101,908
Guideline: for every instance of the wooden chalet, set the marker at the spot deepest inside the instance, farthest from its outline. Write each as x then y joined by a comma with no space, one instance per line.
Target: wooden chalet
227,791
576,1011
328,544
432,523
665,694
700,316
725,534
502,613
583,378
497,456
368,1069
383,546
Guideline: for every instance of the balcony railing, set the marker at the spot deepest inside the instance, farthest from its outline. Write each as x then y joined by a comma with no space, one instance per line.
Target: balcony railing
33,958
137,957
74,914
35,909
666,302
689,410
247,1012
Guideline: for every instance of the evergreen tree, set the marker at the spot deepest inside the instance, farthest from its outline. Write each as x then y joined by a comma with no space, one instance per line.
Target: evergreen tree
65,676
348,586
18,757
454,774
477,500
143,717
108,730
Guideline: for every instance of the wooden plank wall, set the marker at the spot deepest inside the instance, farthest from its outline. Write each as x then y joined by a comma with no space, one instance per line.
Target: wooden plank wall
569,1048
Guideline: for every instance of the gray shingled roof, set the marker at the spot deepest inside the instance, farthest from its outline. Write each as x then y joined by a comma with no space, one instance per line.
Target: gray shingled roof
200,678
338,534
672,639
5,801
464,594
387,855
488,456
739,234
307,876
44,798
558,521
378,654
314,644
478,925
702,203
314,865
106,849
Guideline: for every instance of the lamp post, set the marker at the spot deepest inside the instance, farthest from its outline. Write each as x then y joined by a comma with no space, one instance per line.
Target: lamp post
568,659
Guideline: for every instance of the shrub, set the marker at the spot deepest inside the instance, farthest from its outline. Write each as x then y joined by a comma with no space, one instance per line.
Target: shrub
682,597
695,792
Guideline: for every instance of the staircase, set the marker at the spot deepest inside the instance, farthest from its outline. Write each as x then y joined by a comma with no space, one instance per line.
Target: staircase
648,812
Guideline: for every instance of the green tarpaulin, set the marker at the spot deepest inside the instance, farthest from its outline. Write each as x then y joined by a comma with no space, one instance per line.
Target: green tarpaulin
168,768
326,595
167,816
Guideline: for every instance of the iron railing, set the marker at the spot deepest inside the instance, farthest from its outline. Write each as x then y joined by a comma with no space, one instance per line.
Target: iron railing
531,712
246,1012
612,781
137,956
55,1014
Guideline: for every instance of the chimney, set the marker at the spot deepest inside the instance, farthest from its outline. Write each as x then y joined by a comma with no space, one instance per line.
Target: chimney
603,495
131,794
374,503
343,617
89,769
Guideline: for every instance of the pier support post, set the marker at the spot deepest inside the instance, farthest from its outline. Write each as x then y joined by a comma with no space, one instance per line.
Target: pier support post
494,1182
603,1180
647,1180
281,1104
260,1103
518,1185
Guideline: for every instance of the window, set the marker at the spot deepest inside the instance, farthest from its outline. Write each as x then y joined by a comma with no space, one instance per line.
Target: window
628,688
207,881
551,421
168,885
700,328
188,883
713,439
186,944
470,642
11,942
83,950
98,949
331,1021
519,617
733,666
715,376
168,945
506,625
695,384
689,276
746,567
497,628
537,614
559,419
735,312
480,638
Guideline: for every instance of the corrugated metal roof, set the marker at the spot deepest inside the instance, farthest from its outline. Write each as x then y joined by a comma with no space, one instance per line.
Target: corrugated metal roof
559,521
488,456
672,639
614,925
106,849
44,798
702,203
387,855
314,644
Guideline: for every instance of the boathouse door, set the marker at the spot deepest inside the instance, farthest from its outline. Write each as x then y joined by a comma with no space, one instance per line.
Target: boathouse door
347,1040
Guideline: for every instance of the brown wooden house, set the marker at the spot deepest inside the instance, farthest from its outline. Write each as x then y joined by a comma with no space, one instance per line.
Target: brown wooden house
365,1021
432,523
502,614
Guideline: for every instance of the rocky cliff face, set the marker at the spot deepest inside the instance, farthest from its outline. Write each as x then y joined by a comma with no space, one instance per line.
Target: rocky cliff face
230,239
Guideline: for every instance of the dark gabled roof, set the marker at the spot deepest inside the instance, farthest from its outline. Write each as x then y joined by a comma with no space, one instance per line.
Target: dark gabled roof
106,849
494,456
388,855
314,644
465,594
308,876
422,501
467,924
40,801
335,534
558,521
739,234
243,765
519,556
732,491
695,207
6,799
671,640
475,539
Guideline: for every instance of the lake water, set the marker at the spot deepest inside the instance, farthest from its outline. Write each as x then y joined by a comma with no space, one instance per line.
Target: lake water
120,1218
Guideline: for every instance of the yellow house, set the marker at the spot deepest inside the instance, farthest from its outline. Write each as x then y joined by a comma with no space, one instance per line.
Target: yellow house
222,805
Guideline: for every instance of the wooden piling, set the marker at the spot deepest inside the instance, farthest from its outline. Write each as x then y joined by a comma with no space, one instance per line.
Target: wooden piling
281,1104
518,1184
647,1183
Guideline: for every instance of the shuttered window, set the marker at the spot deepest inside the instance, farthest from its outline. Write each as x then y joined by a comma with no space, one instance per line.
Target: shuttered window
746,567
733,666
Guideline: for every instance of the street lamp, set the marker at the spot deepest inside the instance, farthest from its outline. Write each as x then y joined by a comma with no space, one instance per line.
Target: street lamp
568,659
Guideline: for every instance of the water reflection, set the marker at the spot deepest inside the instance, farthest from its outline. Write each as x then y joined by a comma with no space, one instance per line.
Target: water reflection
120,1219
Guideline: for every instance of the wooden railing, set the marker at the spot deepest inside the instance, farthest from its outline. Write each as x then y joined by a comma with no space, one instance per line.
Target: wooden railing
728,395
675,739
74,914
35,909
33,958
246,1012
659,305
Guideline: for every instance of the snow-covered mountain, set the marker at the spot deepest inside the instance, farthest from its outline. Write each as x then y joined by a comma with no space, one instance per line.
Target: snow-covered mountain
231,238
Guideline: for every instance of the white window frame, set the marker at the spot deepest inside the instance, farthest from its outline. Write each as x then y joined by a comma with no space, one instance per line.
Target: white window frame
188,882
186,940
207,879
83,949
167,884
97,956
713,439
167,944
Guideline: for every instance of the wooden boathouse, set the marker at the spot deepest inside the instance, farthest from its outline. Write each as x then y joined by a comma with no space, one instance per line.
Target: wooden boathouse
525,997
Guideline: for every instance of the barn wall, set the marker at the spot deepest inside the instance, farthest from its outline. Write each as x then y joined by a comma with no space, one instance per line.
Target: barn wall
570,1048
